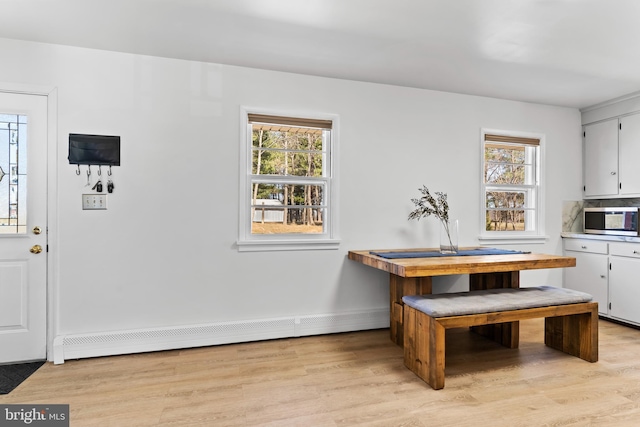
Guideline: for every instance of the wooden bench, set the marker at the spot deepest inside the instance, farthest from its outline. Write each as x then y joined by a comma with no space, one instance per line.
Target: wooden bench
571,322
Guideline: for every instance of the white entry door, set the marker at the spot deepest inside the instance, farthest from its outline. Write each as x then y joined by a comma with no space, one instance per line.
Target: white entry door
23,227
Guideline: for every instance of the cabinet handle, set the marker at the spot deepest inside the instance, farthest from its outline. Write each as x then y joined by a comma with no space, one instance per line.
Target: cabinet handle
613,173
602,276
583,247
636,253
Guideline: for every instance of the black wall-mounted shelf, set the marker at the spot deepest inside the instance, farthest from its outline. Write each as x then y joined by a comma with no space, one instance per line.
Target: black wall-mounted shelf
94,149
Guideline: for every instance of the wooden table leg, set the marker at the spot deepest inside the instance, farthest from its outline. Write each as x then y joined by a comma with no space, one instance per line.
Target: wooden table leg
506,334
507,279
399,287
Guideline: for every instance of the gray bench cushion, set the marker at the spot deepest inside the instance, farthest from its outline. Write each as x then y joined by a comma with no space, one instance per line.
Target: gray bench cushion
492,300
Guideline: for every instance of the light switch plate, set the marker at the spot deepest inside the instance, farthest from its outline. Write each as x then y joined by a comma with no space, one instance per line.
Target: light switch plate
94,201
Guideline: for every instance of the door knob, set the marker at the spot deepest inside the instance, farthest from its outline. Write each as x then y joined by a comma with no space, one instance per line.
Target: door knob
37,230
36,249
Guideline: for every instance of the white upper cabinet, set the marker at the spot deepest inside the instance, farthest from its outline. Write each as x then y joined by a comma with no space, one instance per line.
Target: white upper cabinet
629,146
601,159
611,156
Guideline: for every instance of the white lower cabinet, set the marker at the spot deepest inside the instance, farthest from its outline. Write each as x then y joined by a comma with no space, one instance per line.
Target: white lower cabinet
610,271
590,274
624,281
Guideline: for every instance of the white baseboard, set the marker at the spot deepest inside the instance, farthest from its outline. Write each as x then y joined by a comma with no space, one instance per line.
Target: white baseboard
79,346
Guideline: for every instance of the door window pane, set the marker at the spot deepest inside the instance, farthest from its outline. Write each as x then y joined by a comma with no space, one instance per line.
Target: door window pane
13,174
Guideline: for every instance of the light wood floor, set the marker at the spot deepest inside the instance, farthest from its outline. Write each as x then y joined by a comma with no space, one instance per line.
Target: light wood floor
353,379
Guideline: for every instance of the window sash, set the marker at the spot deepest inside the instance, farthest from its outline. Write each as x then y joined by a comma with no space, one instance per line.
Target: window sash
325,152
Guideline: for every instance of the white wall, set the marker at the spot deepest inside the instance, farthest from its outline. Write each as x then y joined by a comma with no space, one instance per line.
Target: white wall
163,254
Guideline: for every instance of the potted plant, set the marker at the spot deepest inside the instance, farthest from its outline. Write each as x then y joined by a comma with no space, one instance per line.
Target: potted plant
437,206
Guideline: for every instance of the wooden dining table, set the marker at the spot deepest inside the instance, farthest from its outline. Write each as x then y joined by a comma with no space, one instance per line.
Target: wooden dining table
413,276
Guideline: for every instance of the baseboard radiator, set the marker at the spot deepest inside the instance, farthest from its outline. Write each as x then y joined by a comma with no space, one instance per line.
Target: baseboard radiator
79,346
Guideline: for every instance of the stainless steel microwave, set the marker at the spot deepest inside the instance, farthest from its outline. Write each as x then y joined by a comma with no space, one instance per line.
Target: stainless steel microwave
614,221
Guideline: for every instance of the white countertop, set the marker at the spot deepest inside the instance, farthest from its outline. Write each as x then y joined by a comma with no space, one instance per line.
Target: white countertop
606,237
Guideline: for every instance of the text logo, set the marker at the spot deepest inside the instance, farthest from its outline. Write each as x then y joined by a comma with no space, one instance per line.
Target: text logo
34,415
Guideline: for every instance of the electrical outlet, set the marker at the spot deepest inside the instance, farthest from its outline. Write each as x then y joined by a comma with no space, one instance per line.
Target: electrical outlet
94,201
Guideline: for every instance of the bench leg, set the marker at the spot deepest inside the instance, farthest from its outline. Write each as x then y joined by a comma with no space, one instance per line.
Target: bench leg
424,345
575,334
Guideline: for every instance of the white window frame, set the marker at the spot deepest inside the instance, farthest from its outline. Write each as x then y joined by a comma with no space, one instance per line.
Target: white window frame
248,241
515,237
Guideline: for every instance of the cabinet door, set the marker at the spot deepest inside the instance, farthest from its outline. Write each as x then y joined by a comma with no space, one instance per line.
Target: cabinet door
601,159
590,276
624,289
629,146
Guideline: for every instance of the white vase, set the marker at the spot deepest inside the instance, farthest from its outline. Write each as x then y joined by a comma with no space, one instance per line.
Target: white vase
449,237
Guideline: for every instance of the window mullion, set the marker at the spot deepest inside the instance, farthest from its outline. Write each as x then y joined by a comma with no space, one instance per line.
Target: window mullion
289,179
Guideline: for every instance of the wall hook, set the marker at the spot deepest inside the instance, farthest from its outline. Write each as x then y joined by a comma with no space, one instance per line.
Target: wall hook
109,171
99,170
78,171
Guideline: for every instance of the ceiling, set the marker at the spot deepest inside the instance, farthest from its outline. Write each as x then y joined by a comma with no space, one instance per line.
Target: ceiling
573,53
